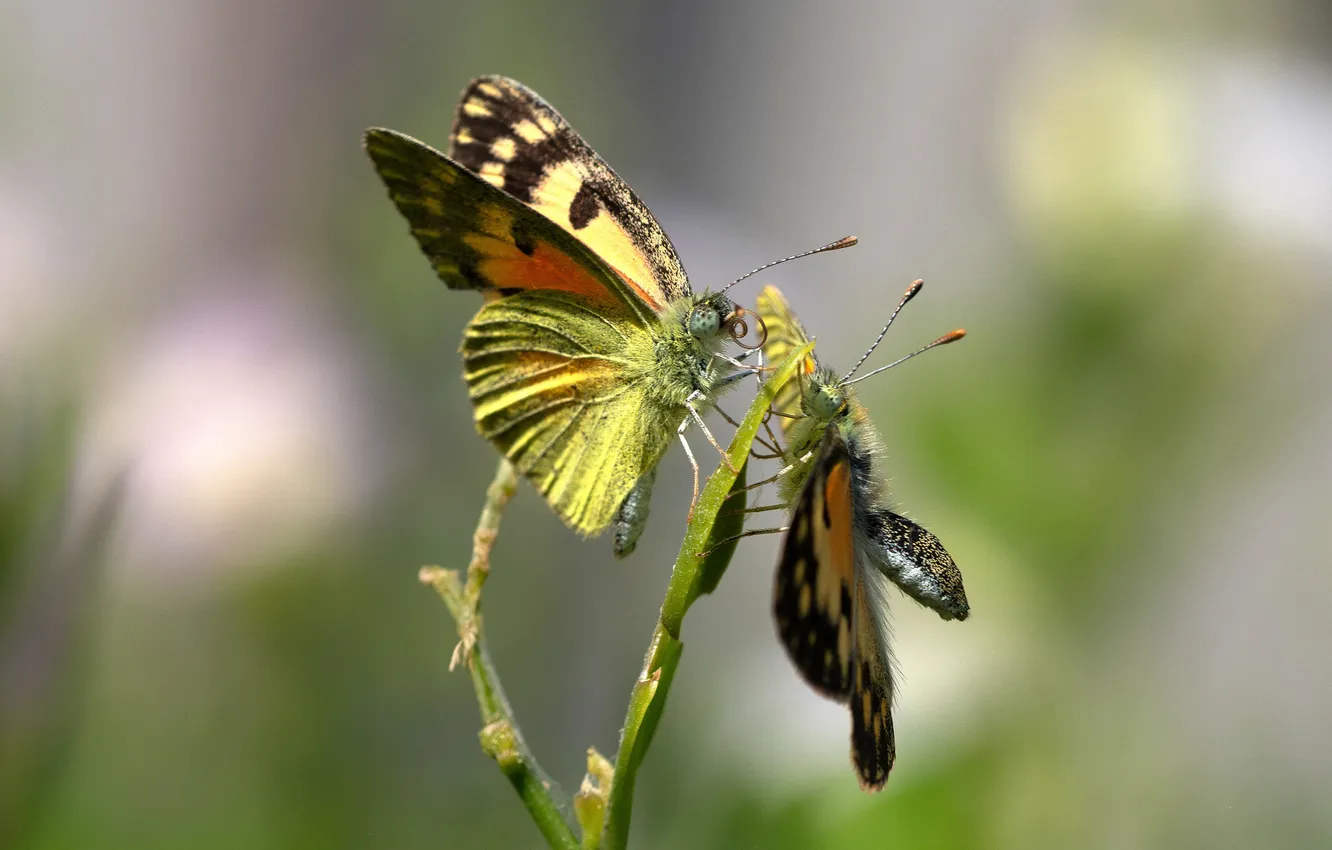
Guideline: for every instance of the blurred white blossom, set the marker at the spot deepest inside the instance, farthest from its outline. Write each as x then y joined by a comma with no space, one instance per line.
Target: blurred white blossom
241,427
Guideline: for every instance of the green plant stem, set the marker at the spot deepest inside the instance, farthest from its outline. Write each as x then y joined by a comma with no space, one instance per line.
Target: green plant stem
498,494
500,736
694,563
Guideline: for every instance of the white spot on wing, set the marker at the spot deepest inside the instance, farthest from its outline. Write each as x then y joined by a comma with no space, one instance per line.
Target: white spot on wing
528,132
504,148
476,109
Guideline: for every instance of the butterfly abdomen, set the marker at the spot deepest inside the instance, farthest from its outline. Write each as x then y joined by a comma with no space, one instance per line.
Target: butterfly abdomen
898,548
915,560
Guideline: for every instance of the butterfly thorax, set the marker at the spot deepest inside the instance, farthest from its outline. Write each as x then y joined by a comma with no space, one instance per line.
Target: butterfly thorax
865,448
822,402
692,331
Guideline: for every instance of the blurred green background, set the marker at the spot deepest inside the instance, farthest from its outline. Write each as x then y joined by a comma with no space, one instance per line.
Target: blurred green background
232,425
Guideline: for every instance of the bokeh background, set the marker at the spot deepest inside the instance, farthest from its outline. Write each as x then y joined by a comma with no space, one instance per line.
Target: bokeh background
232,425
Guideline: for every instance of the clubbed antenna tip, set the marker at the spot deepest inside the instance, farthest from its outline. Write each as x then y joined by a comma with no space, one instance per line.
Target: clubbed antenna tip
844,242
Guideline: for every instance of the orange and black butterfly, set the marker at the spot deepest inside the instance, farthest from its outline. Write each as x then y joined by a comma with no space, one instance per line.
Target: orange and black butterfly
844,547
591,352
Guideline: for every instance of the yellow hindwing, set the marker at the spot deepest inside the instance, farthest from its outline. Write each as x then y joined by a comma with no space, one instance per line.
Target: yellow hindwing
553,387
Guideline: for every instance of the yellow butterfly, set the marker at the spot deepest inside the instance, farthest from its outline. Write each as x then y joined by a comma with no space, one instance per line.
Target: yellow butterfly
844,547
592,351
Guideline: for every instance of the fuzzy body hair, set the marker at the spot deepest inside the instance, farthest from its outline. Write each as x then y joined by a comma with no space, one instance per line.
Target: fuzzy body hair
682,363
887,545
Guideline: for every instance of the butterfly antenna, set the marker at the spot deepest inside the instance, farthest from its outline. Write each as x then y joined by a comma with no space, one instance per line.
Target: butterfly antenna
844,242
914,288
951,336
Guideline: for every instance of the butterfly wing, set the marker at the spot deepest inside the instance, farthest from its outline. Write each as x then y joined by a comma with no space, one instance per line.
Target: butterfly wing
479,238
553,386
814,590
785,334
557,370
917,563
873,749
831,615
517,142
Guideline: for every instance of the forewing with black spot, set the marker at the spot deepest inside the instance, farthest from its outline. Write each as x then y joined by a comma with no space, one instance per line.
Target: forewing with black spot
507,134
477,237
814,590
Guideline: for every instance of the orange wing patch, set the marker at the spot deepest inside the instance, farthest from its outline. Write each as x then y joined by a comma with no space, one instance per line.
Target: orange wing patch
560,196
837,542
517,142
508,268
815,583
477,237
825,615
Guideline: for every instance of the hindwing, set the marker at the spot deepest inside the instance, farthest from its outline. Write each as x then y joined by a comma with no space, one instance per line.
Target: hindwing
873,748
558,388
814,591
785,334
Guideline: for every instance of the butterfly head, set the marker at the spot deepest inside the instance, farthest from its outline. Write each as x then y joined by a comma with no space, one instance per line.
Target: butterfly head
825,398
711,312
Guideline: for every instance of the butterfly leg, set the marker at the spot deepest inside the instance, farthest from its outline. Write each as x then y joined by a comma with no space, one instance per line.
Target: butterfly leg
772,444
776,444
733,377
771,447
751,533
693,412
689,453
758,510
761,509
725,415
739,362
743,369
783,471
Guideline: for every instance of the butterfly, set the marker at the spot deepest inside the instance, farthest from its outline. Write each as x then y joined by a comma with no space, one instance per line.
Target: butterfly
843,546
591,351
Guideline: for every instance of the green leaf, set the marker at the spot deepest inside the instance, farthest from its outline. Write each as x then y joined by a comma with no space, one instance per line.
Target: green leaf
730,523
694,573
682,590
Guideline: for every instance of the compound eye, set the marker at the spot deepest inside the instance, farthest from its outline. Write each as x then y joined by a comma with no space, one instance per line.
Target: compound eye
828,401
704,322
